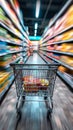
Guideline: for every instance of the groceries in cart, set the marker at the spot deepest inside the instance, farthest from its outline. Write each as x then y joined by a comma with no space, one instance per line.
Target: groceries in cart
31,84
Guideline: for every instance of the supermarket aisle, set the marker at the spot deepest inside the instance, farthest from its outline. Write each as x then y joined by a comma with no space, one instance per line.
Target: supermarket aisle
34,113
35,59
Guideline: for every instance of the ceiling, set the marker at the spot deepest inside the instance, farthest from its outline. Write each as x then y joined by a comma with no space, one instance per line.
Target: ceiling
48,9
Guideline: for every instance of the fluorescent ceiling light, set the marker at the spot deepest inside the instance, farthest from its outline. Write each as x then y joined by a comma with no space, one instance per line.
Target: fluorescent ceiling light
37,8
36,25
35,32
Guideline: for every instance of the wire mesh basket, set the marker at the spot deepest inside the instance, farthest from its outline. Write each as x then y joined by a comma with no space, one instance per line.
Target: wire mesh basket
35,79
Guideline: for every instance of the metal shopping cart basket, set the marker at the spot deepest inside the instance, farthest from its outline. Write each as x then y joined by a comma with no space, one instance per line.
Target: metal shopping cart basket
35,80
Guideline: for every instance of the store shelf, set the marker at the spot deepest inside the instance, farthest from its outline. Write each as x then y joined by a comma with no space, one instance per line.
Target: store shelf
18,26
8,65
43,57
58,52
65,41
10,30
10,42
5,90
66,78
4,67
13,52
60,42
66,29
62,11
20,19
63,64
10,53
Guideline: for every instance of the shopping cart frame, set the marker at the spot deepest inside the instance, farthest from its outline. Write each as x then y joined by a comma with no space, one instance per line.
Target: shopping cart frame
50,69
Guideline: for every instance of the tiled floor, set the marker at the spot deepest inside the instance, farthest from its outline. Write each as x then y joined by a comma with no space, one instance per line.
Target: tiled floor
35,59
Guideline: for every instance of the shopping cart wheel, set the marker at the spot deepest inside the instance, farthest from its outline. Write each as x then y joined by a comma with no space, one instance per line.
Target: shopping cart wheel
23,97
49,112
18,115
23,100
45,97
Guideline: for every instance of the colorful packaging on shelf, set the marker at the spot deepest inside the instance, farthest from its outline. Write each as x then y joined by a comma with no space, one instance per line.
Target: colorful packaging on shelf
65,36
66,70
3,47
51,47
67,47
50,41
4,79
56,56
67,59
65,21
69,17
58,38
4,86
5,60
57,47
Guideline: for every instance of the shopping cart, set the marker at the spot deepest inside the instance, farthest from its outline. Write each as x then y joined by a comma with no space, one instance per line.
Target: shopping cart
35,80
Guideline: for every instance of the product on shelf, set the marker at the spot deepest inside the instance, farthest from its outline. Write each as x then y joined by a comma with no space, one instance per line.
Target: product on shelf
49,54
66,70
3,18
51,47
49,60
7,7
57,47
58,26
5,60
3,47
58,38
56,56
69,17
8,23
67,47
64,22
61,24
65,36
50,41
11,32
64,47
67,59
5,35
4,80
49,34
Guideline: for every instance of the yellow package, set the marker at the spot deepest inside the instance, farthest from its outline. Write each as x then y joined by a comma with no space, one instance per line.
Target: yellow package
67,47
67,35
4,86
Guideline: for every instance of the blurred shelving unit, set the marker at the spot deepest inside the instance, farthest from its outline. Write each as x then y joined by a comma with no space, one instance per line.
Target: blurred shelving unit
14,42
56,43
